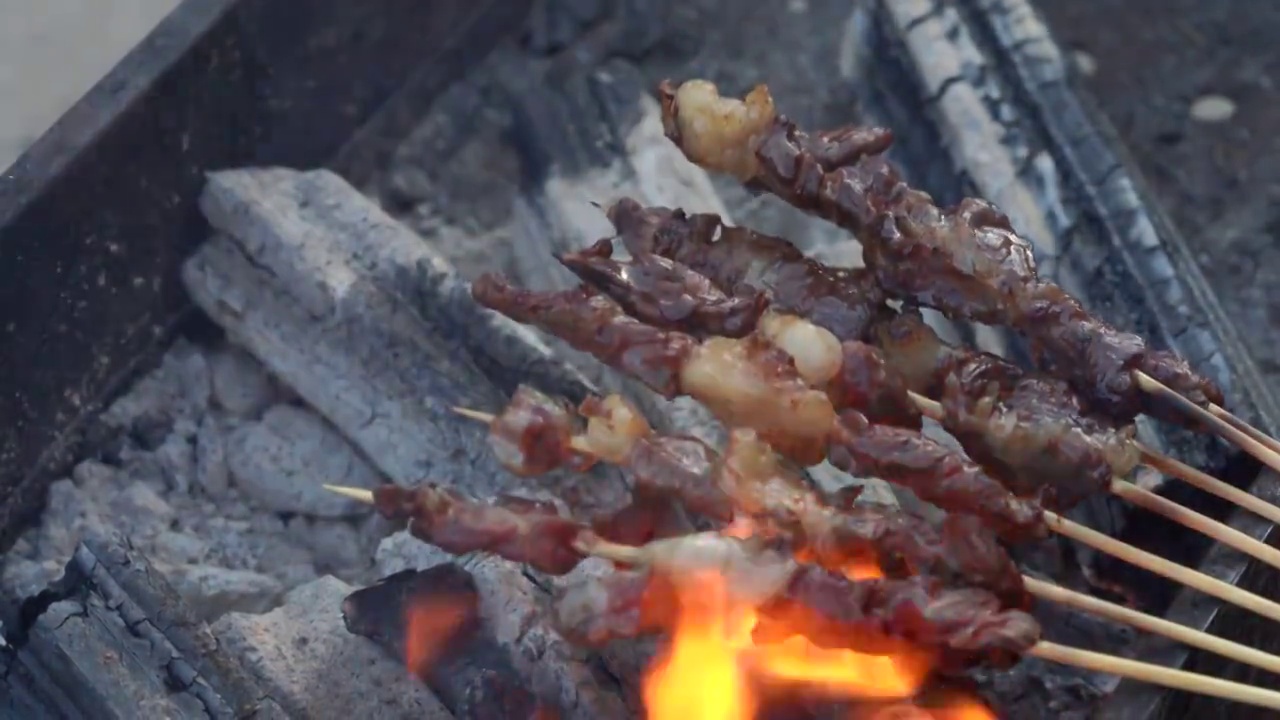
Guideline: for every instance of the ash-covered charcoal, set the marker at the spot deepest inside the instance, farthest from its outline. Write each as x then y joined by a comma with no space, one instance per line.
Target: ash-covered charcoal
599,29
429,619
403,342
516,610
554,24
304,658
278,464
226,504
110,639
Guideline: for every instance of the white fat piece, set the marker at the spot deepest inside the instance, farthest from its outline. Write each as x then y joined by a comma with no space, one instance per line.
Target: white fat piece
720,133
611,434
815,350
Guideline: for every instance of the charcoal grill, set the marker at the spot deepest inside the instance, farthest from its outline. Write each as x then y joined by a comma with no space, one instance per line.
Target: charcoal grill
97,217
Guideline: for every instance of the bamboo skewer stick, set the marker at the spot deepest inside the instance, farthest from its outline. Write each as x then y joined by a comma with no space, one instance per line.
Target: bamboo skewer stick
357,494
1151,624
1160,566
1210,484
1098,662
476,415
1150,385
1157,675
1199,522
1223,428
1245,427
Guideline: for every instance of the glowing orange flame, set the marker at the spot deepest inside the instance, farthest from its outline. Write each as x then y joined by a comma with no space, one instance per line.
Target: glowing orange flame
701,676
429,626
712,669
963,708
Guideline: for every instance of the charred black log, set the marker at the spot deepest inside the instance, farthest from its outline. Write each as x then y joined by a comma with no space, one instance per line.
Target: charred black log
111,637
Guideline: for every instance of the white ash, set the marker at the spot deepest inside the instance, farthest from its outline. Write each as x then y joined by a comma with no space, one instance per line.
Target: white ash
212,472
240,385
281,461
308,662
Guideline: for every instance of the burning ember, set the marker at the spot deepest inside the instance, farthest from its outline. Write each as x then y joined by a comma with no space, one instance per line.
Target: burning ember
714,669
429,628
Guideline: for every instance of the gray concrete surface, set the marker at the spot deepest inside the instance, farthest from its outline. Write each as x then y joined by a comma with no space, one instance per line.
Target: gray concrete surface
53,51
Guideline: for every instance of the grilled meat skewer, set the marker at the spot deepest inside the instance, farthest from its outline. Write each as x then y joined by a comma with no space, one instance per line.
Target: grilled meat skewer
1032,431
753,383
750,481
966,261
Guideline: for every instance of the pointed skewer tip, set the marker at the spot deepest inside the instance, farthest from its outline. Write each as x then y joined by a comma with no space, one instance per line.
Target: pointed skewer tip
477,415
1245,427
1223,428
360,494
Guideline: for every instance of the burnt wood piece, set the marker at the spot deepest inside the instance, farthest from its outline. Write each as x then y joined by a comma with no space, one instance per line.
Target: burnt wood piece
431,618
111,639
598,29
355,314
